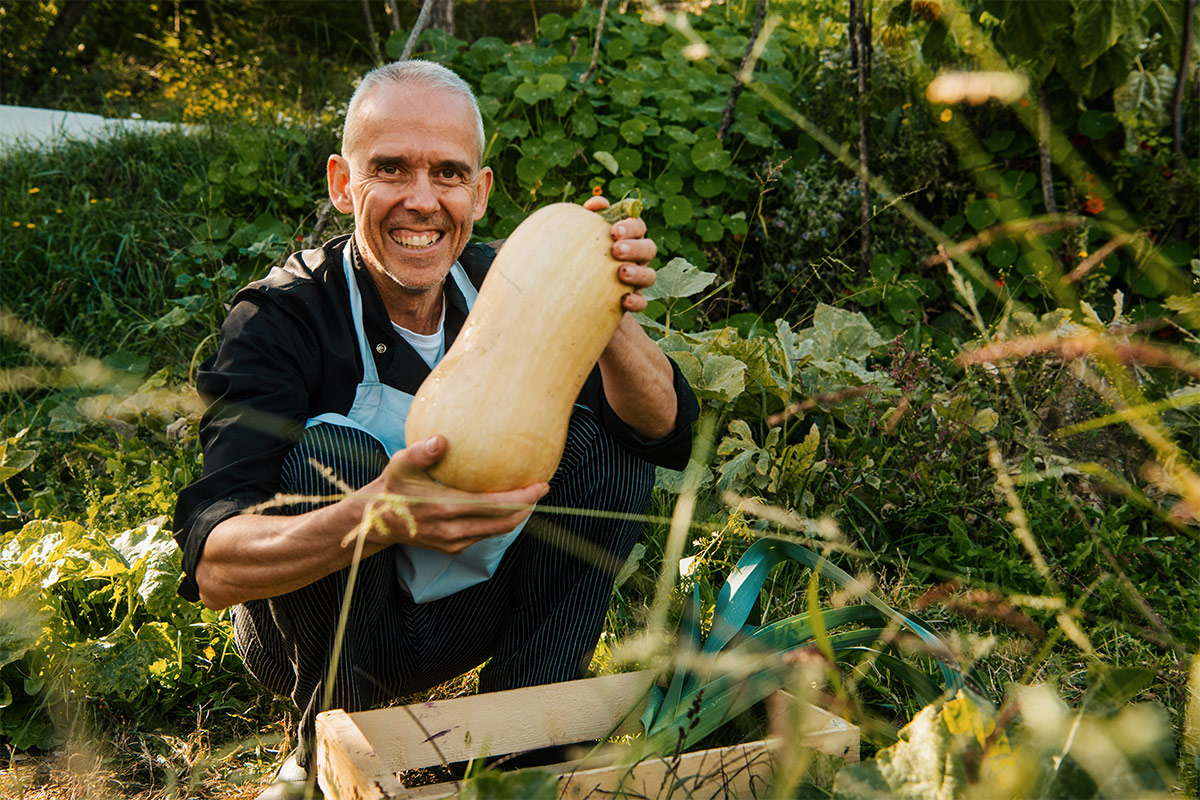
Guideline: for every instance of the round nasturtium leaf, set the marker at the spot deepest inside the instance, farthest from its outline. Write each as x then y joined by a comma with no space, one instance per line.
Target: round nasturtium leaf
552,26
953,225
1000,140
630,160
677,210
709,184
668,183
981,214
531,168
710,155
1097,124
1003,253
883,267
710,230
633,130
619,49
618,188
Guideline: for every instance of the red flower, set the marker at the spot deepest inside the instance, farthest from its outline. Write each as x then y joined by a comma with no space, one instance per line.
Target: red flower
1078,139
1000,282
991,195
1094,204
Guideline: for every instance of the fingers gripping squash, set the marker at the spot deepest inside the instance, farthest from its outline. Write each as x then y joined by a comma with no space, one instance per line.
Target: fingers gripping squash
503,394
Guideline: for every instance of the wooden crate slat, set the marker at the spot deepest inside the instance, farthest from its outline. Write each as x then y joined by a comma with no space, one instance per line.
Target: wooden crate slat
347,764
498,723
740,771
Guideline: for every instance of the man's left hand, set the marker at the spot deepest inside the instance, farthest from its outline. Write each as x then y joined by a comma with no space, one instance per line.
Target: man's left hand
634,251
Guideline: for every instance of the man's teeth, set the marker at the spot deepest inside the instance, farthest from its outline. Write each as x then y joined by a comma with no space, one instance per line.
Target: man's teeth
417,240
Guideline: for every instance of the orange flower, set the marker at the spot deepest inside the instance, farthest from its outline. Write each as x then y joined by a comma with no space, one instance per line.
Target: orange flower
1094,204
597,191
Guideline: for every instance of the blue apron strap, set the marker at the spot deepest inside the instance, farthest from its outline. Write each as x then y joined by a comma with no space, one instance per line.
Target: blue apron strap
370,374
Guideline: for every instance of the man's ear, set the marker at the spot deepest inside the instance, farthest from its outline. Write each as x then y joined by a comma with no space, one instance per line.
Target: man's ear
338,169
485,189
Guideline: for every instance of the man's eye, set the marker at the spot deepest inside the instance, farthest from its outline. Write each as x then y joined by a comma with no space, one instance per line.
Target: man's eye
389,169
449,174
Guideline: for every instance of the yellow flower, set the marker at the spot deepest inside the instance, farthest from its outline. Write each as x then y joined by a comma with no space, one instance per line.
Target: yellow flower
906,106
947,115
58,211
16,224
209,652
93,201
34,190
30,225
1082,254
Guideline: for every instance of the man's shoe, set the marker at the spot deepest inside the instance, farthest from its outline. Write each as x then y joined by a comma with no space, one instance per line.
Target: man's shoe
289,783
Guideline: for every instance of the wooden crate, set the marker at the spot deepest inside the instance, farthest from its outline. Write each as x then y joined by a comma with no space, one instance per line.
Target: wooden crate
360,755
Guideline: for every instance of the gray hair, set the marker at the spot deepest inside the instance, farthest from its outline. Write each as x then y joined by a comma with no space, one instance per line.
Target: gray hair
425,73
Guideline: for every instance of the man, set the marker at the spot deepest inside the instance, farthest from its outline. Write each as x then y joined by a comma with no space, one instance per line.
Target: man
308,392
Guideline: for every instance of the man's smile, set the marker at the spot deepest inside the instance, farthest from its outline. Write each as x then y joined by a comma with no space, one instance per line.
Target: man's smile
416,240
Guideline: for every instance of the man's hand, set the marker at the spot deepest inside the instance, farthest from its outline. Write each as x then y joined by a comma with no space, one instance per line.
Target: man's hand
253,556
631,247
446,519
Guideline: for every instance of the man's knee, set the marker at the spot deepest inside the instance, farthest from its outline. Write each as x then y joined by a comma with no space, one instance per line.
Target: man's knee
326,459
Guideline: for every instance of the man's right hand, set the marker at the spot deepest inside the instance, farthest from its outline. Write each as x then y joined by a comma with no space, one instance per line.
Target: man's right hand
254,556
448,520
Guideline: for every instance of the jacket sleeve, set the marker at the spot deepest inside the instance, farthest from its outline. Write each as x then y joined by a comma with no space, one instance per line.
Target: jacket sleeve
671,451
257,393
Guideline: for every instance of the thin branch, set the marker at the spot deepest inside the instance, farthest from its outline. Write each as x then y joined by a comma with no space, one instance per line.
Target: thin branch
743,74
422,21
596,46
1185,52
370,26
1044,159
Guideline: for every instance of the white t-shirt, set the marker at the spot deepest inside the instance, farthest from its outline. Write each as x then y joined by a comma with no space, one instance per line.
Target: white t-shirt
430,346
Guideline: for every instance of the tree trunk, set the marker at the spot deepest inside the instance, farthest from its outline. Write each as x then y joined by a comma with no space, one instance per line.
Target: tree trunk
860,49
1047,164
1185,51
442,16
422,19
372,39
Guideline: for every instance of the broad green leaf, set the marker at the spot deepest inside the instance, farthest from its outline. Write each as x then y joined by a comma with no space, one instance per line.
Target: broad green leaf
981,213
677,210
709,184
630,160
678,279
710,230
1003,253
837,333
607,160
552,26
710,155
679,134
1098,26
12,458
625,92
721,378
668,183
633,130
619,49
1096,124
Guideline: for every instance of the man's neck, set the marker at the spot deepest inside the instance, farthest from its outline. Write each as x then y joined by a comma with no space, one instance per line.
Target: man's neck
418,311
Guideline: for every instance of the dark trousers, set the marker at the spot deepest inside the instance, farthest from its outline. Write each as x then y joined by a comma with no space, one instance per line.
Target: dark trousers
537,619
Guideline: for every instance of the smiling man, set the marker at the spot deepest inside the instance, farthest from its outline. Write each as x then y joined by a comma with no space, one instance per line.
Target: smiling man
308,392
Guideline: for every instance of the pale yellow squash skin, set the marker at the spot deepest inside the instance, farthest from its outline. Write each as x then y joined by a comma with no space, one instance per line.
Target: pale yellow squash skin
503,394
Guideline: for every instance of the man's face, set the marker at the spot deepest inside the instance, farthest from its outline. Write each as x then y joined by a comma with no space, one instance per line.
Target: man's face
413,182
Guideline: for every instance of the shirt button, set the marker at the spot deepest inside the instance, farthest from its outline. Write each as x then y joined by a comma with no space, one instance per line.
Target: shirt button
381,348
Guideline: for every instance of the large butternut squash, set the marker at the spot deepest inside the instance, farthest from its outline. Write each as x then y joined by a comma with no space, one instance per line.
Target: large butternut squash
503,394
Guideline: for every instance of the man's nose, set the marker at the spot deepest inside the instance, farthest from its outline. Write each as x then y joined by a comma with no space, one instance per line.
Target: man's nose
422,195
